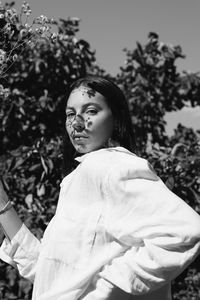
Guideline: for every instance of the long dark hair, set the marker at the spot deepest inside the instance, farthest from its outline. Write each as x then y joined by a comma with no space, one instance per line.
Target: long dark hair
123,129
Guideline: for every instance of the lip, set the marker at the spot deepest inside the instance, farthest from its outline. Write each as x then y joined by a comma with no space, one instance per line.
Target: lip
79,137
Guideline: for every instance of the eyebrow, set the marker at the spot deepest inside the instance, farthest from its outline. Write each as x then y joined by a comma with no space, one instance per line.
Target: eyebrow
86,105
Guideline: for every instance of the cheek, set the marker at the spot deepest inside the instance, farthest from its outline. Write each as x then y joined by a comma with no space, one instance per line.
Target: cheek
68,124
68,127
88,122
105,128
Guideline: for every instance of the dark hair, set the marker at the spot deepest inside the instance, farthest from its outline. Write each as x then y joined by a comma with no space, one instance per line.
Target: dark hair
123,129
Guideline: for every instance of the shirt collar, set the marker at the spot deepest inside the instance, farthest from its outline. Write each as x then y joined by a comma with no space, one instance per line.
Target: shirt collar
118,148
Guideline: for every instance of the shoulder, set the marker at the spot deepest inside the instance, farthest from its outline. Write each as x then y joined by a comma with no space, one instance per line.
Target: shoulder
116,161
105,158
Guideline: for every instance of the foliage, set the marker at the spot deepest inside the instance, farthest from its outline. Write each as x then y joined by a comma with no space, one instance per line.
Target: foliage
34,87
179,167
31,176
179,164
37,65
16,33
154,86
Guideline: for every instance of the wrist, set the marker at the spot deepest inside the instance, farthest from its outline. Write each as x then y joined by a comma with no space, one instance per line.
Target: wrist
3,202
6,207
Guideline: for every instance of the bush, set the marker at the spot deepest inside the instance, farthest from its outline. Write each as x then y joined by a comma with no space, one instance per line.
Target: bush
37,66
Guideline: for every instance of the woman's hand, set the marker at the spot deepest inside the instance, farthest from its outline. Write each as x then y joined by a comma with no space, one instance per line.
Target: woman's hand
3,196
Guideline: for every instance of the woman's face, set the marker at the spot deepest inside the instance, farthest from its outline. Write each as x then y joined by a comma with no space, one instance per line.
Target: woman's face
89,120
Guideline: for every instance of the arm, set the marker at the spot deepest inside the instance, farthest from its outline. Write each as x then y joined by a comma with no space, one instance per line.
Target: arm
21,248
161,231
9,219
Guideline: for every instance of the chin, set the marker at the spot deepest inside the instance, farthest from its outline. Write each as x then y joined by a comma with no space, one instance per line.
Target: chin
84,149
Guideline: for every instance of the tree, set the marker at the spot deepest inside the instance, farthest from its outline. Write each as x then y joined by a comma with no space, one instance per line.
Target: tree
153,86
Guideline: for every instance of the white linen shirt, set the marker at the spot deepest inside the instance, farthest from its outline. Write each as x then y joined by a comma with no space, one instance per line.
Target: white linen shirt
118,230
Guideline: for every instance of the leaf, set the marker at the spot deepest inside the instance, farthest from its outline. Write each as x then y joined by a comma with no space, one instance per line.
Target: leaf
41,190
11,165
179,150
140,49
50,164
22,111
153,35
42,176
196,196
29,200
44,165
34,167
170,182
4,183
19,162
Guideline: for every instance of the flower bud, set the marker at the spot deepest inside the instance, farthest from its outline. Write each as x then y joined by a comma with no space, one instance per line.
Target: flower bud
23,33
14,57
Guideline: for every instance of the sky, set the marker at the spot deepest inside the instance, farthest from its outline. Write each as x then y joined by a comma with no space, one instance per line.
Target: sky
112,25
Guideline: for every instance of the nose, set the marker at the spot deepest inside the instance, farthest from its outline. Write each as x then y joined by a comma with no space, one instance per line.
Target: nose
78,123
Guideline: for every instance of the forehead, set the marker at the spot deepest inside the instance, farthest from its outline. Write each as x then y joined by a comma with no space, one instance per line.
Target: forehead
83,95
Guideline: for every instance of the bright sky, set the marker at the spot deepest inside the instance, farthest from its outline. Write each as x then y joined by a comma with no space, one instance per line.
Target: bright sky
111,25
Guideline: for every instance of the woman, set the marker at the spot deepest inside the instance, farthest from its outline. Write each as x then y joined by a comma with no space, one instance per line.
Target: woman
118,232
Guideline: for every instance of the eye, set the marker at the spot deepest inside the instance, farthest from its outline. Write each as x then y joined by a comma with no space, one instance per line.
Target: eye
69,115
92,111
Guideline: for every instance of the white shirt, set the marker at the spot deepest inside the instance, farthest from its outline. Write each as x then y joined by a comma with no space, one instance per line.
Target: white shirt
118,230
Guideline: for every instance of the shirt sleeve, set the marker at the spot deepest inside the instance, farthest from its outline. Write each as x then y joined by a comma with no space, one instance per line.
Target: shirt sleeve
22,252
161,231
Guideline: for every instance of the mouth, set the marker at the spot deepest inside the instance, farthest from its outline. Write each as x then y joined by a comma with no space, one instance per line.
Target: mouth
79,137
